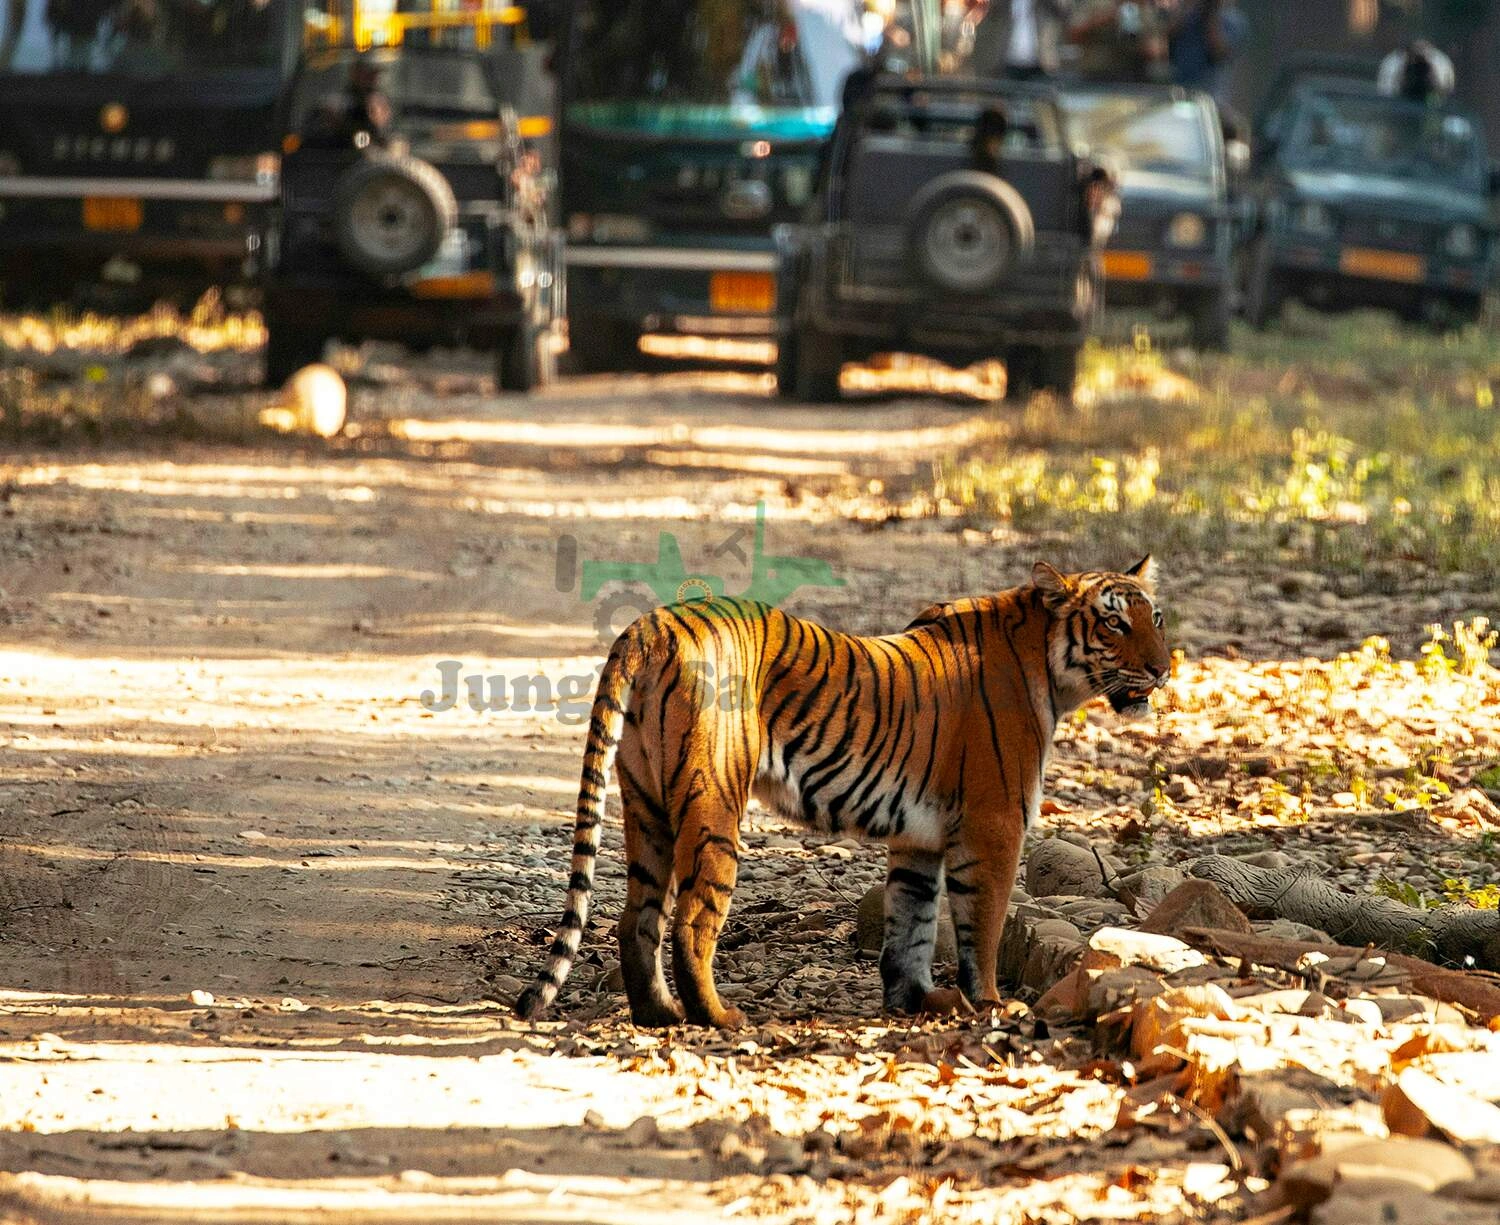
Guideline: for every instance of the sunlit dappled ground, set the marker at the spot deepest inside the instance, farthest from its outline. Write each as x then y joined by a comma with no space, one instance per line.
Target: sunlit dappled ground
258,901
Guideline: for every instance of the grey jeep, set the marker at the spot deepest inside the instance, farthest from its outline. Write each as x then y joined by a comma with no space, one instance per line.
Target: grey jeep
1171,249
920,242
1368,200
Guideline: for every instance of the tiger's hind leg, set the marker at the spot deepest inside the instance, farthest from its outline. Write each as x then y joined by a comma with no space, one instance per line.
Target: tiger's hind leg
981,874
912,881
708,860
649,890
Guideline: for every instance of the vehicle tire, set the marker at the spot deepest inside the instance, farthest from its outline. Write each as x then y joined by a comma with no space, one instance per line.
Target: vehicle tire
786,365
1022,371
289,348
1057,371
966,230
1209,326
391,213
818,358
1265,294
600,345
524,360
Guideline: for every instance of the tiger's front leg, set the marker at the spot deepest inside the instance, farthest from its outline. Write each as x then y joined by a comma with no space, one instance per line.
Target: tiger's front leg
981,865
912,881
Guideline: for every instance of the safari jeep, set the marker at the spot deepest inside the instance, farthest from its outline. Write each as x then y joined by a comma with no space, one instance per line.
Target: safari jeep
920,243
1170,251
1364,200
433,230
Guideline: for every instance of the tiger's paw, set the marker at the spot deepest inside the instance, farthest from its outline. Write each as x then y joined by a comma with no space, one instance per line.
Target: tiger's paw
730,1018
658,1016
944,1001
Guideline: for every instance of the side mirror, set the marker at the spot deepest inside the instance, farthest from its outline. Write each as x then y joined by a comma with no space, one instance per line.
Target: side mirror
1237,158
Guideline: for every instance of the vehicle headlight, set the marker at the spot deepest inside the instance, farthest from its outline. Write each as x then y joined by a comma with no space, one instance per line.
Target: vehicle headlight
1462,242
10,164
259,168
1187,230
618,227
1312,218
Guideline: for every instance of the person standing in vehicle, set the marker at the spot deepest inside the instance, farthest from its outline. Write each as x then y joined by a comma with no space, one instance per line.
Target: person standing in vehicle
1203,39
361,109
1123,41
1020,39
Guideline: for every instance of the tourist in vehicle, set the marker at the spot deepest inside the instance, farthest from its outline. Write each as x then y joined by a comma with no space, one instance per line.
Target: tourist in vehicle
1418,72
1202,41
1020,39
989,139
360,110
1123,40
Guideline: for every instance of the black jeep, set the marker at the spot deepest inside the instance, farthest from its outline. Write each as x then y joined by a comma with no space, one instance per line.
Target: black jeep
1363,199
952,219
1170,250
410,211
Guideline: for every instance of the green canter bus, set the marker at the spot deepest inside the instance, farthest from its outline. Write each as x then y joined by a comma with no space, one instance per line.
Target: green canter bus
689,129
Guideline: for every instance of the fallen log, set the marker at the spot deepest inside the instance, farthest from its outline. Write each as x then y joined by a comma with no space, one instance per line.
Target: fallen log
1466,990
1454,935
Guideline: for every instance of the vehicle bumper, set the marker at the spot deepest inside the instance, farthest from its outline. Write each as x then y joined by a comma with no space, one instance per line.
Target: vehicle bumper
1143,277
1324,274
701,288
162,220
353,308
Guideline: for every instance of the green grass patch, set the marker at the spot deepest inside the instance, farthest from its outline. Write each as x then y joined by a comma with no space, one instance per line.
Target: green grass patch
1338,444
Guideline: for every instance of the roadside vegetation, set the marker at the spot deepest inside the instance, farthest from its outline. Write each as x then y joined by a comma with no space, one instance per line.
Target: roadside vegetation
1356,446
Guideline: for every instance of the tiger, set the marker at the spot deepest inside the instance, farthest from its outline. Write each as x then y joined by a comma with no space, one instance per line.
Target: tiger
933,741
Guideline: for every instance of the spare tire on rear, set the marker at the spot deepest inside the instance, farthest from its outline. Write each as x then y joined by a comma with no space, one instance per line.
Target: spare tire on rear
967,230
391,213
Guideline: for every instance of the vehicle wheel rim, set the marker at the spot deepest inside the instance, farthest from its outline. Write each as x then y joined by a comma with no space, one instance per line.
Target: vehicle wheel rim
391,221
967,244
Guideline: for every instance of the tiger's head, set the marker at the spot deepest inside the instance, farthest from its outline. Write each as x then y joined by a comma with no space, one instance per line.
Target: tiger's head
1106,636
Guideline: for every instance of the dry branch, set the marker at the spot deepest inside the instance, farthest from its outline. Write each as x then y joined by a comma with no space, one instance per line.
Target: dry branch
1458,935
1450,986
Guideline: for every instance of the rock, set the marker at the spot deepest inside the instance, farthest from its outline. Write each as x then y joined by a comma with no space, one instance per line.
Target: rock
1055,948
1109,990
1195,903
1375,1165
203,999
1091,912
1418,1104
1037,949
1149,949
314,401
1366,1205
1276,860
643,1133
870,926
785,1156
1290,929
1057,866
1150,885
1158,1022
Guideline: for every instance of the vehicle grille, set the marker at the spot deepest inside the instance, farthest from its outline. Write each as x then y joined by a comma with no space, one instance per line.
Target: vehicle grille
1389,233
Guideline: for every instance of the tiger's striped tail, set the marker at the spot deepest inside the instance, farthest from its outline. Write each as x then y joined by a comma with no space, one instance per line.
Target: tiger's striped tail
605,721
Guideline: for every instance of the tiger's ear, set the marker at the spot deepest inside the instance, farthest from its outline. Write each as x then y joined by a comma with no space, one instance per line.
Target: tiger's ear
1056,587
1144,572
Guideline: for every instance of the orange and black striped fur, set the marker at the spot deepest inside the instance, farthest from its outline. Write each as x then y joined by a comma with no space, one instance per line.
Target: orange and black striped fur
932,741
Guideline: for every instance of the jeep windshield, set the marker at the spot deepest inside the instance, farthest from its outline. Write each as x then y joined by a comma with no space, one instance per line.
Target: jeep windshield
688,67
422,84
138,38
1147,133
1388,137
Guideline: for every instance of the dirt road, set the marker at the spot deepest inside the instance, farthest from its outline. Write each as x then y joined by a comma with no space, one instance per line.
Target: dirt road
258,896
